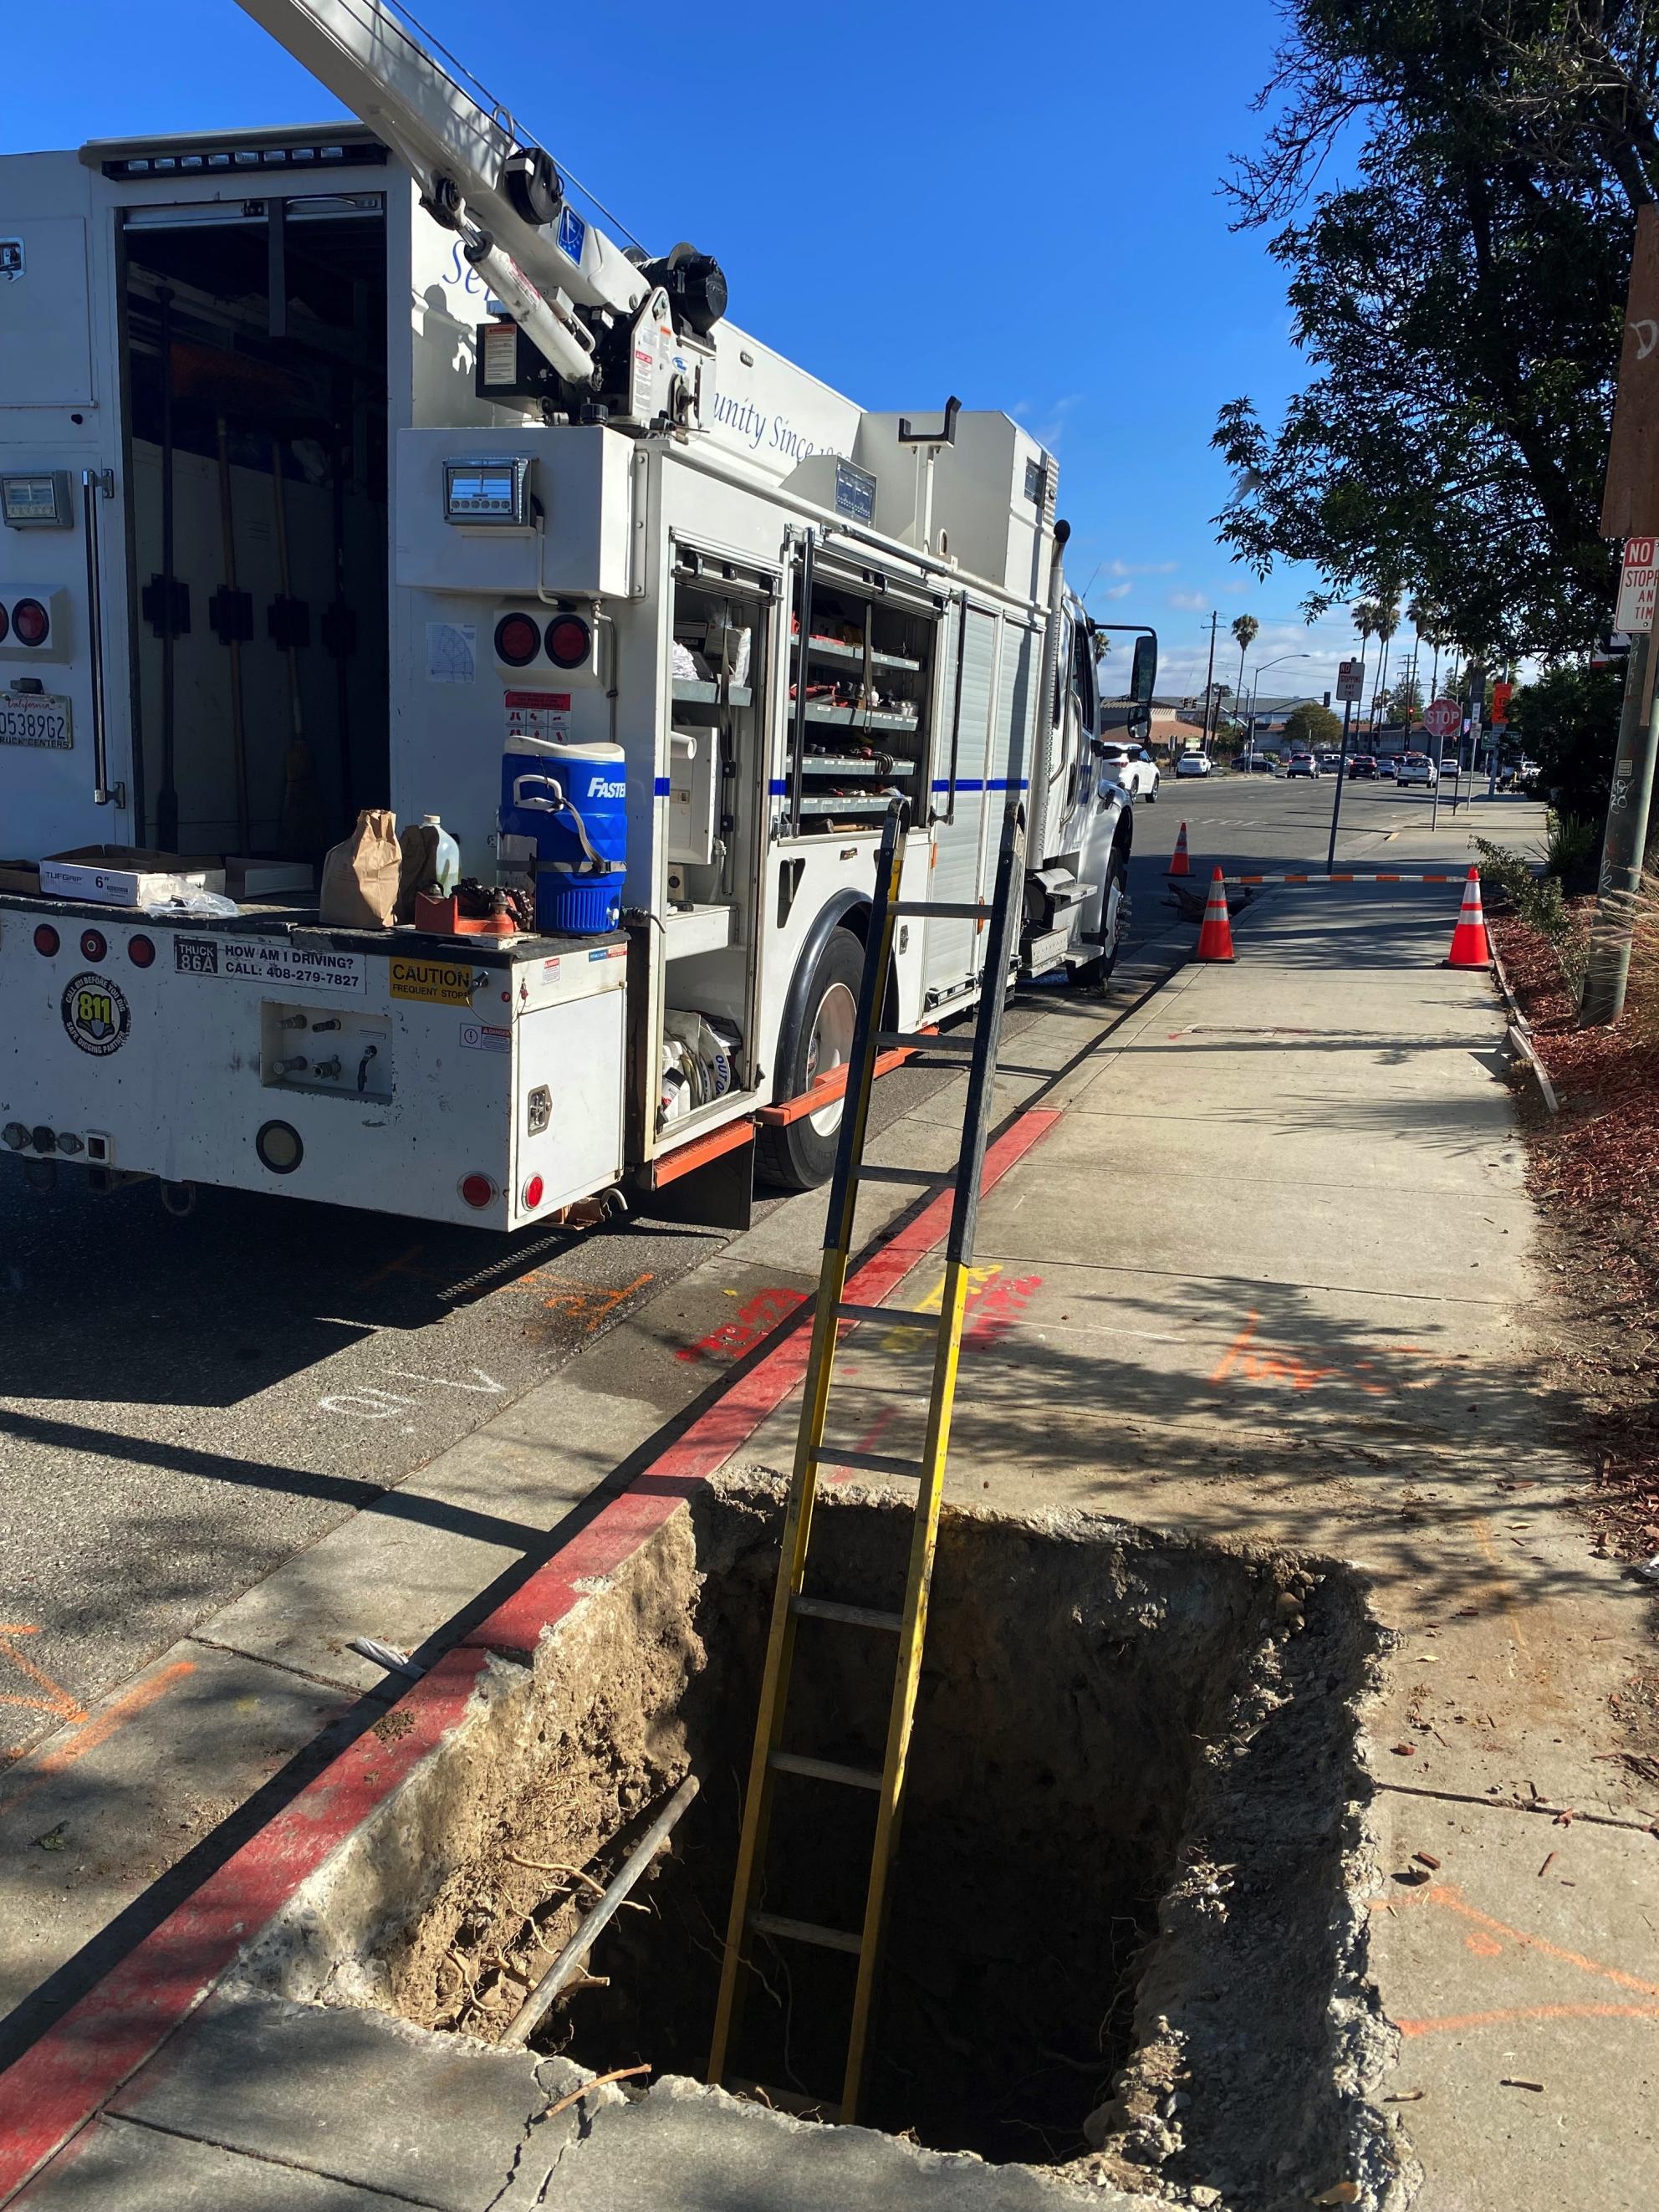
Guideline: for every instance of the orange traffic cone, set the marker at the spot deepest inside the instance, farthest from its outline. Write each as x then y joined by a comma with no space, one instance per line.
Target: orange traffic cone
1215,939
1469,948
1179,866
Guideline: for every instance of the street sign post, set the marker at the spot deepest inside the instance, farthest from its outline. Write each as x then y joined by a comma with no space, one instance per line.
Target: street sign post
1350,680
1637,581
1443,718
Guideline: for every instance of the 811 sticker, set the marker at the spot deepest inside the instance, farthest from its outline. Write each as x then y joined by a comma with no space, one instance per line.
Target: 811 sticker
96,1014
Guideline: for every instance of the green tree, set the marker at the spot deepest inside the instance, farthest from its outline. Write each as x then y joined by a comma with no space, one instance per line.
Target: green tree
1312,728
1458,290
1569,722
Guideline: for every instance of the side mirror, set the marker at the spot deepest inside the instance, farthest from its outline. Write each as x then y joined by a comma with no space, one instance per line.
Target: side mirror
1143,682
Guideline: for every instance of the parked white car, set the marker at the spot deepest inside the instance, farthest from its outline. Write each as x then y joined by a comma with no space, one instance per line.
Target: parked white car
1193,764
1417,767
1131,768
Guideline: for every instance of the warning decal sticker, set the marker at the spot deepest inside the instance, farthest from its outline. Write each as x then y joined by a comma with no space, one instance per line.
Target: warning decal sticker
435,982
96,1015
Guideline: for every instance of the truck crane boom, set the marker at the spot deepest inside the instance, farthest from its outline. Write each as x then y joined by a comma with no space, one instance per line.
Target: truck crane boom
597,315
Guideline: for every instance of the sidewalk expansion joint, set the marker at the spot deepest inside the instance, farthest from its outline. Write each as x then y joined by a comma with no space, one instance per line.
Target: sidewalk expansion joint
284,2164
1570,1815
337,1684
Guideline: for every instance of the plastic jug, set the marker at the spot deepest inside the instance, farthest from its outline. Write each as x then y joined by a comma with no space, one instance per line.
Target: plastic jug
447,858
572,800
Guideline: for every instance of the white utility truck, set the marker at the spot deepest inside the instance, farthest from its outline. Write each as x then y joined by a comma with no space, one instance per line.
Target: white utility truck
353,466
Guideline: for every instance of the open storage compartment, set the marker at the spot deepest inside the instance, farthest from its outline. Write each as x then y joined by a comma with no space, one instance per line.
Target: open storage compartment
862,654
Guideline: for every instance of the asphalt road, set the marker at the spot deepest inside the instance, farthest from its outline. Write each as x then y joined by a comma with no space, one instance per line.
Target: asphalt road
1260,824
185,1404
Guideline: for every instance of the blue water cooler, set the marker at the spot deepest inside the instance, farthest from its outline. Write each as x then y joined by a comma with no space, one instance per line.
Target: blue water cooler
572,800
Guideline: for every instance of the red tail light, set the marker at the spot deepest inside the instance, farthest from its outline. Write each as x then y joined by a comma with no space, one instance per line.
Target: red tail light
140,950
569,641
5,625
518,641
478,1190
92,944
534,1191
46,939
31,622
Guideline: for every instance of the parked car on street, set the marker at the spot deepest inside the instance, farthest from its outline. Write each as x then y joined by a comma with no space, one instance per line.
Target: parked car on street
1131,768
1303,764
1263,764
1362,764
1330,764
1193,764
1417,767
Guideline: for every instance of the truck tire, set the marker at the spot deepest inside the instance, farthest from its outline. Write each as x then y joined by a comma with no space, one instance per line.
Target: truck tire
1091,975
802,1154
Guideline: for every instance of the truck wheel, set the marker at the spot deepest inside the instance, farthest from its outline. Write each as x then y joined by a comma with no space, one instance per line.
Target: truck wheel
1091,975
802,1154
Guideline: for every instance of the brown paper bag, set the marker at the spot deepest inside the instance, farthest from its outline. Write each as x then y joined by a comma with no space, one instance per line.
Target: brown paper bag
360,876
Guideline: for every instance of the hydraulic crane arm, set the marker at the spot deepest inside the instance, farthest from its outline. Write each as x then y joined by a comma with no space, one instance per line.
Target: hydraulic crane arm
557,275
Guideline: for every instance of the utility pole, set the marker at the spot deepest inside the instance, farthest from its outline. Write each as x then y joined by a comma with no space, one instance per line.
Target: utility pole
1623,843
1630,509
1209,681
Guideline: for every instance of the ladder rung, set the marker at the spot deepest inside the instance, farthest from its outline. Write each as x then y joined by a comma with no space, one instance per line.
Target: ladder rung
872,1172
855,1616
805,1931
899,1316
873,1462
947,910
915,1040
824,1770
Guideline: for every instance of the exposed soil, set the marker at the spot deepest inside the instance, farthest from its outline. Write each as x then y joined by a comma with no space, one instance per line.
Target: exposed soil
1593,1170
1131,1836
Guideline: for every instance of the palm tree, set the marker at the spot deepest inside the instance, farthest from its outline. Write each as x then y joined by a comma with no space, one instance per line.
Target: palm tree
1367,614
1245,627
1387,613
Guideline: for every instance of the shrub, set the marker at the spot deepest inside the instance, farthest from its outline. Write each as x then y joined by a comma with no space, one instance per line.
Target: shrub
1570,845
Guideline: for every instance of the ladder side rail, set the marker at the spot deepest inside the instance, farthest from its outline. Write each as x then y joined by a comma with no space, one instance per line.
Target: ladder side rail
947,1352
798,1519
987,1037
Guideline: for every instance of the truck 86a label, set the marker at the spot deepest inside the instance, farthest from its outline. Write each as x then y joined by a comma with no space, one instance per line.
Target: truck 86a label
255,960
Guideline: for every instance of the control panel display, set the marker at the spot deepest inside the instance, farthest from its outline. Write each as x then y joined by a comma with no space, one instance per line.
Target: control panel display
39,500
493,489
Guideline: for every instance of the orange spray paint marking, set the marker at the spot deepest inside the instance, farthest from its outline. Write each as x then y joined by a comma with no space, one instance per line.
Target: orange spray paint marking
56,1700
99,1729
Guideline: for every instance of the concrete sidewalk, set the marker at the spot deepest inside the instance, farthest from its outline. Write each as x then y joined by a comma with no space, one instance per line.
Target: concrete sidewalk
1269,1276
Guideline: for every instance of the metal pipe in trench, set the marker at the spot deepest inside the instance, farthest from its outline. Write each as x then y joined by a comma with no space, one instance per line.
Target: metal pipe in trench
531,2012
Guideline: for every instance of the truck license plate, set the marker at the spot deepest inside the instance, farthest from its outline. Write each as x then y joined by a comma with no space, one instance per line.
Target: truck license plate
38,718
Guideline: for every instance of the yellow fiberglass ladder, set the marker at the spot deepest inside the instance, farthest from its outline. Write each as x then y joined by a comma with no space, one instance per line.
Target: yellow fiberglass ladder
791,1601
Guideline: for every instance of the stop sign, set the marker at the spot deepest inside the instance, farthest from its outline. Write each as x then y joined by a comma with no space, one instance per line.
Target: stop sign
1443,718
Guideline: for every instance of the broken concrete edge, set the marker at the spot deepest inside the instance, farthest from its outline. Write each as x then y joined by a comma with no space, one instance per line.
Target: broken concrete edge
49,2094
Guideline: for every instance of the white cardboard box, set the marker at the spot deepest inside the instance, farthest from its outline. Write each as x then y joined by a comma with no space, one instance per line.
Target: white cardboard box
116,875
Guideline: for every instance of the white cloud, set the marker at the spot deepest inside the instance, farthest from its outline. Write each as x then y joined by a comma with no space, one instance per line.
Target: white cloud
1117,591
1050,428
1190,602
1142,567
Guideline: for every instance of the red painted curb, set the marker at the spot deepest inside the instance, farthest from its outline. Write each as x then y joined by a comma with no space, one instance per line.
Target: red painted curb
617,1533
66,2078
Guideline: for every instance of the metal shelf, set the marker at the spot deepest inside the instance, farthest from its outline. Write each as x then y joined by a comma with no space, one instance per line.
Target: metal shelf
693,691
834,765
815,804
833,648
859,718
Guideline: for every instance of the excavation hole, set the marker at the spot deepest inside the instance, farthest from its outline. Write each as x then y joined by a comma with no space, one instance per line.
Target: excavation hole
1129,1840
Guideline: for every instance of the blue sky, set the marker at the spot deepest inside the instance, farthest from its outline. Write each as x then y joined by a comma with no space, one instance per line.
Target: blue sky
910,200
